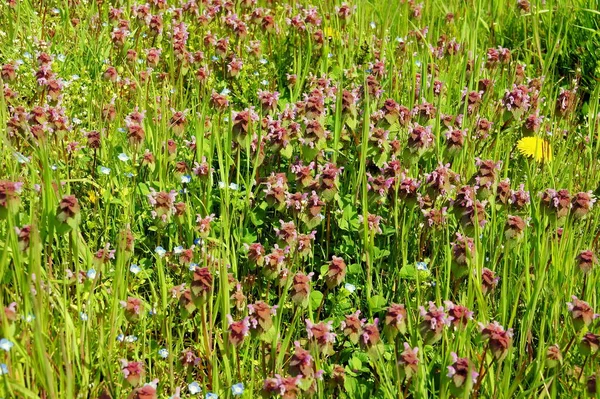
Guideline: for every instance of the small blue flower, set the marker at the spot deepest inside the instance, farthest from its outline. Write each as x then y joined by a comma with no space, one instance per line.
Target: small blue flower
30,317
198,241
54,167
3,369
422,266
135,269
27,55
211,395
163,353
160,251
128,174
123,157
418,64
350,287
225,91
21,158
104,170
131,338
194,388
193,266
214,58
121,129
186,179
264,82
91,274
61,57
177,250
83,316
263,61
372,25
6,345
120,337
237,389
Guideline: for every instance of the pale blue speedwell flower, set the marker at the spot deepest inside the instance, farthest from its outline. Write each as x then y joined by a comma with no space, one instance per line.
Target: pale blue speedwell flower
123,157
160,251
350,287
237,389
135,269
6,345
194,388
163,353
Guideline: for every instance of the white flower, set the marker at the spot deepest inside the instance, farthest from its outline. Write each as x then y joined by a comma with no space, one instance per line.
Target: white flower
194,388
225,91
130,338
91,274
104,170
3,369
6,345
422,266
237,389
21,158
123,157
264,82
160,251
135,269
233,186
83,316
61,57
372,25
163,353
186,179
349,287
263,61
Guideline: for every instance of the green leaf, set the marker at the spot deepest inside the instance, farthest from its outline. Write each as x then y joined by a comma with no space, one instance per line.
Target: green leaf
408,272
287,151
377,303
316,297
355,268
355,364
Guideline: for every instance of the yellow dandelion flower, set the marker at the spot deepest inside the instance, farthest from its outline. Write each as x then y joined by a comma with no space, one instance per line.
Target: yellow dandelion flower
535,147
92,196
331,33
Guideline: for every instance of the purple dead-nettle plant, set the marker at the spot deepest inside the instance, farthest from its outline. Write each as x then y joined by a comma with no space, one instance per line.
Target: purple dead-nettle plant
433,321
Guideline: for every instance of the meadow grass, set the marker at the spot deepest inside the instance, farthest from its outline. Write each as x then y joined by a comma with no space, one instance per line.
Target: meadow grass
252,198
